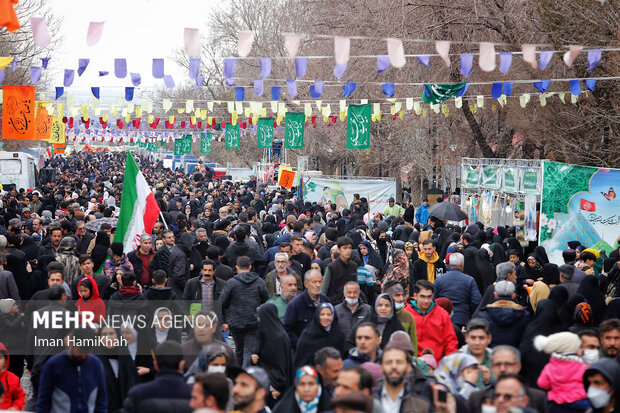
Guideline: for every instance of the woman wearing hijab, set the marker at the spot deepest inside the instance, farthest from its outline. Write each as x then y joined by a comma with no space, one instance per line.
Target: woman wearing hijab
29,247
213,358
317,265
459,373
383,316
513,244
485,273
306,397
163,327
323,331
499,253
273,349
100,250
541,255
139,352
590,289
369,255
532,272
118,259
68,258
89,299
541,289
119,368
545,322
400,271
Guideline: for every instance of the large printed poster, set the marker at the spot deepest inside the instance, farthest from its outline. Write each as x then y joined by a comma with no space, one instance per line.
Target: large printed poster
340,192
578,203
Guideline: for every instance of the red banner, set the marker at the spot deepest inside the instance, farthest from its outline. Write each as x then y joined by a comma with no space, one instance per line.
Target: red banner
18,112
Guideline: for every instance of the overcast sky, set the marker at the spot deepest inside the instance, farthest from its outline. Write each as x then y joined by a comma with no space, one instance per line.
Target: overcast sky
138,30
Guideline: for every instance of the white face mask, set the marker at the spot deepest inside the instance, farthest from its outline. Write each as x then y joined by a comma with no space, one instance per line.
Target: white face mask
216,369
398,306
590,355
598,397
351,301
488,409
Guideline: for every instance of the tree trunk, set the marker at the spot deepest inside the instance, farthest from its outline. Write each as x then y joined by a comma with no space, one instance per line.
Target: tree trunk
476,131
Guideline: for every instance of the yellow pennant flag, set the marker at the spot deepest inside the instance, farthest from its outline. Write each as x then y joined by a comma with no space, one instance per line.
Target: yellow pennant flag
171,119
424,112
417,108
279,119
573,98
57,134
401,114
180,111
234,117
502,100
192,120
458,102
61,109
473,108
151,118
84,111
246,112
524,99
445,109
263,112
543,100
342,116
480,101
562,96
127,118
255,119
139,111
105,117
5,61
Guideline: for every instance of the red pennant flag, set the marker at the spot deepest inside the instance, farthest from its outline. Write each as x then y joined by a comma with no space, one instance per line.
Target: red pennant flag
199,124
64,119
182,124
119,123
587,205
155,123
70,123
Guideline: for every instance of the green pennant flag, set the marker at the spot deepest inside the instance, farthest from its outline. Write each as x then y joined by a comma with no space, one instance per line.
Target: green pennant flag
205,142
437,93
358,127
163,142
187,143
294,124
179,146
151,146
264,134
232,136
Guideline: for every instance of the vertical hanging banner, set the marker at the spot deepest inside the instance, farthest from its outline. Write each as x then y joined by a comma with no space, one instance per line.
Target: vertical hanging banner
57,134
179,146
151,146
205,142
187,144
510,179
232,136
43,125
358,126
18,112
470,177
529,180
490,177
294,123
264,133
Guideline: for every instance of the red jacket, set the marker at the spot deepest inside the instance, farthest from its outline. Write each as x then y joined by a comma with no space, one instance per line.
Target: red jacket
93,304
14,395
435,330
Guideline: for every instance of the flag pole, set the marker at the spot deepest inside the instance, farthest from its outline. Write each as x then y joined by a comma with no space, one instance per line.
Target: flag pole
163,220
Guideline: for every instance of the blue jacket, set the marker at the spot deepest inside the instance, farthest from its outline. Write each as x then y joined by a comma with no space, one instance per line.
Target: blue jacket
422,214
507,320
72,388
299,313
462,290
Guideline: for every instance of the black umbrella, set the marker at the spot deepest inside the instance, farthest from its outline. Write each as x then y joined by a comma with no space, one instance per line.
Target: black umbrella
447,211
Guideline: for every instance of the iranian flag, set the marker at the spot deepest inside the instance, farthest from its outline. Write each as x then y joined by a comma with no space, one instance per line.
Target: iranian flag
139,210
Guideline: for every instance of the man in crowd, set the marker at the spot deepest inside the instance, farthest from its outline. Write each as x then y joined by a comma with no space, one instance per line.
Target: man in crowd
460,288
339,272
300,310
210,391
422,215
141,259
168,392
328,364
367,340
250,389
205,289
428,266
433,323
273,279
288,291
478,337
610,338
74,379
351,311
240,298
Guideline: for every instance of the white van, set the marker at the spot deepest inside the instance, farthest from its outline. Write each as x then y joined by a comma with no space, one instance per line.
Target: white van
18,169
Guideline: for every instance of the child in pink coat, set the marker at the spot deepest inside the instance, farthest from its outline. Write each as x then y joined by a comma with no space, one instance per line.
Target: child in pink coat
563,375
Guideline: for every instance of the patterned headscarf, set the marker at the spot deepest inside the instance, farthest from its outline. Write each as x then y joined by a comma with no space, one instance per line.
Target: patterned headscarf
313,405
399,270
451,367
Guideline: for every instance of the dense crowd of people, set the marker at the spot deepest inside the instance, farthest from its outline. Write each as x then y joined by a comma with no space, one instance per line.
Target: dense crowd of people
310,308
